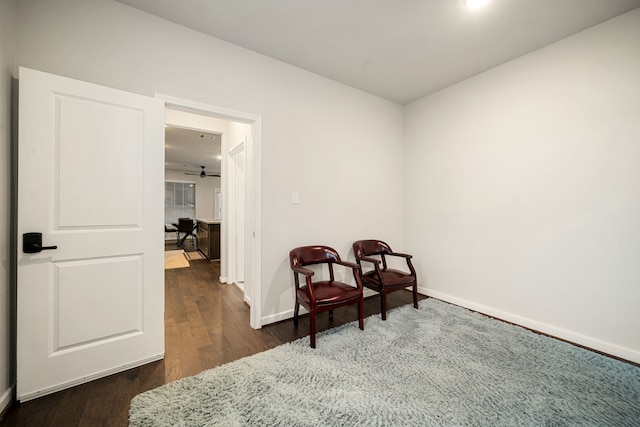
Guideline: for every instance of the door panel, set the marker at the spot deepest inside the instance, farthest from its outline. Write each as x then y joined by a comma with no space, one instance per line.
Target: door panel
90,179
94,170
87,293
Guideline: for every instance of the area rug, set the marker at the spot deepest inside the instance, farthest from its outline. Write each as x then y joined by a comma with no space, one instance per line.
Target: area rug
175,259
440,365
194,255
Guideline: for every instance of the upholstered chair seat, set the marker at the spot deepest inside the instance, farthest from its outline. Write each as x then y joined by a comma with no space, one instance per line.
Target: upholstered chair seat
329,293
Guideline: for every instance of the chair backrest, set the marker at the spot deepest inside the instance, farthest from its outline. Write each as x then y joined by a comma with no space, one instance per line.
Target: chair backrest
185,225
307,255
370,247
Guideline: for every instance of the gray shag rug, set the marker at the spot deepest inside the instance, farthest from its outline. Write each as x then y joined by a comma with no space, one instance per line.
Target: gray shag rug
439,365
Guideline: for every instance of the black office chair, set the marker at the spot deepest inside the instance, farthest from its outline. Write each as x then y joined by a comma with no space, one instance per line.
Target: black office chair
186,226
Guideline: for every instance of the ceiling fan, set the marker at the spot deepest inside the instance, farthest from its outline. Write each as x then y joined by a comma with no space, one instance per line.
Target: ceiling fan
202,174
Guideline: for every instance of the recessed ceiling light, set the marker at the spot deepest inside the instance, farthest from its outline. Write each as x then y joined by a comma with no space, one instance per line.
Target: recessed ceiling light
475,4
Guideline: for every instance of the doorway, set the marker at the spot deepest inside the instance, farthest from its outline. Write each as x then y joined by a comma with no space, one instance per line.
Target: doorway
248,237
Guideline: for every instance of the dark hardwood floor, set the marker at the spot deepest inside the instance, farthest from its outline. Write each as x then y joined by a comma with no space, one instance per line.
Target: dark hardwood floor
206,325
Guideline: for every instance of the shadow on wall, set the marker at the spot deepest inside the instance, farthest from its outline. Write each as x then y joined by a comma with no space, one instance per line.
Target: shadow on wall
13,231
274,312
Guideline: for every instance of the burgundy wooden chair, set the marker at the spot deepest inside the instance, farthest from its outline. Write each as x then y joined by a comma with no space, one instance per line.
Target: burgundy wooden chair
381,278
325,295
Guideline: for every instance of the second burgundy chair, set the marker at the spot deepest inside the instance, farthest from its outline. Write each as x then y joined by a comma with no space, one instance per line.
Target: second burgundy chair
381,278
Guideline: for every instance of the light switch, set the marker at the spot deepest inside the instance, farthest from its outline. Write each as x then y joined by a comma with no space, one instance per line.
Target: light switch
294,198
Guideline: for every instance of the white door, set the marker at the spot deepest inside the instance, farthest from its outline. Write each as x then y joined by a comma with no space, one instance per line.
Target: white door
237,212
90,179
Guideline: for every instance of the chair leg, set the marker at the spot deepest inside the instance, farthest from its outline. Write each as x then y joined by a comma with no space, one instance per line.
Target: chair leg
415,295
296,311
330,314
383,304
361,314
312,336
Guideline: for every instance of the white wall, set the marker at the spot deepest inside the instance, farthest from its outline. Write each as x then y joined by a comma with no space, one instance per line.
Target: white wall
522,189
319,137
204,190
7,40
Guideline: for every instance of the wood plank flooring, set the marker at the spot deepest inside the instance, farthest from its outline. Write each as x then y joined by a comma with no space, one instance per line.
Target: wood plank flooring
206,325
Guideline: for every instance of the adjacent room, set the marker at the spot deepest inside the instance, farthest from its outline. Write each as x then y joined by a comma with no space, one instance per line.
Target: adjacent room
498,145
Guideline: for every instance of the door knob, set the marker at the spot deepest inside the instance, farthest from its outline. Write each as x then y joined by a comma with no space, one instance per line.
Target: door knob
32,243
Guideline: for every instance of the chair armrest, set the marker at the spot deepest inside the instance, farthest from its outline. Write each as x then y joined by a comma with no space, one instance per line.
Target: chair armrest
304,271
398,254
349,264
407,257
369,259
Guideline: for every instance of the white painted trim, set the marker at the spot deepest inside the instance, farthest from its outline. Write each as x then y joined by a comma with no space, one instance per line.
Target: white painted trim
230,188
238,148
283,315
6,398
256,222
65,385
366,292
240,287
217,203
550,330
253,157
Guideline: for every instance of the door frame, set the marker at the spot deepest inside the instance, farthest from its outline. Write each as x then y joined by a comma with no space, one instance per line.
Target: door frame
253,194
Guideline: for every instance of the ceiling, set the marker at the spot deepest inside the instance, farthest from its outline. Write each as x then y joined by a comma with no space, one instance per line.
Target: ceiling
187,150
400,50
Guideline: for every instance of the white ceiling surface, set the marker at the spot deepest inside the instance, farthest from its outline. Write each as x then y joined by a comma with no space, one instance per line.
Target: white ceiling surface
400,50
188,150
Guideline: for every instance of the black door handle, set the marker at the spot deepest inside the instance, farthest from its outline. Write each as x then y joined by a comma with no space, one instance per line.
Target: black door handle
32,243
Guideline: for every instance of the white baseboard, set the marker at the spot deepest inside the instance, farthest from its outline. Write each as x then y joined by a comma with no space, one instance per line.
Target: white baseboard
222,279
368,292
284,315
554,331
239,286
6,398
